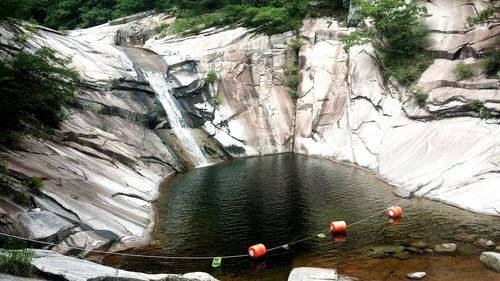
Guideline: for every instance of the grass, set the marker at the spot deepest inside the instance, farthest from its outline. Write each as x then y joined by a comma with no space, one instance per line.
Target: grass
212,77
463,71
477,106
17,262
218,100
419,94
35,183
406,70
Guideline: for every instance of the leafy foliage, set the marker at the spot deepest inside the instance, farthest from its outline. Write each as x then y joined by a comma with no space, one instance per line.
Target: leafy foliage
419,94
211,77
16,262
33,87
491,63
35,183
399,36
483,15
463,71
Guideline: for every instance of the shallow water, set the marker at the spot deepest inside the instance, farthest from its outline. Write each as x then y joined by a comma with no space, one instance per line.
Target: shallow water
223,209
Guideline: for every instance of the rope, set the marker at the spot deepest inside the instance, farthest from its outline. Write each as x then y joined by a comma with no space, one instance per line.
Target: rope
185,257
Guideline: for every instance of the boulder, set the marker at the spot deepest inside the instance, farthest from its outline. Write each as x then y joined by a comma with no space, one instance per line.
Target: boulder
73,269
317,274
6,277
88,240
45,225
484,243
491,260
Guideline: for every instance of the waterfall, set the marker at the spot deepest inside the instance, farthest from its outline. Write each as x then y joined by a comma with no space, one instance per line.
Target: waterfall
177,122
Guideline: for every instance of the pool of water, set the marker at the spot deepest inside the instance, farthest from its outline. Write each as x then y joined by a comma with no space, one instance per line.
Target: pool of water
223,209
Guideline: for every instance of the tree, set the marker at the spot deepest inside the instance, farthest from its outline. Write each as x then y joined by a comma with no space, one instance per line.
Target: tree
33,87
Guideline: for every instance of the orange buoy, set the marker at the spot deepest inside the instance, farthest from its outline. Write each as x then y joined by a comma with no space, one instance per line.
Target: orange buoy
338,226
257,251
394,211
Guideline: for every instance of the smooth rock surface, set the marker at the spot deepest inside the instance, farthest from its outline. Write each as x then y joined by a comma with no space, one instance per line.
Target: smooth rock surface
491,260
44,225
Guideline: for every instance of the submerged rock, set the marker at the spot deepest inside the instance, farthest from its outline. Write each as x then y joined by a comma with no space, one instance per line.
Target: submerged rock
402,255
389,249
416,275
491,260
445,248
464,237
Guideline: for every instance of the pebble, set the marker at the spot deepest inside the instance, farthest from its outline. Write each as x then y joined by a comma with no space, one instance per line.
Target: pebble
464,237
416,275
415,250
445,248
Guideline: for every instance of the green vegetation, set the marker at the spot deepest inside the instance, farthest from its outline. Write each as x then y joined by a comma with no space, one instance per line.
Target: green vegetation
212,77
292,71
33,87
484,15
491,64
269,16
463,71
218,100
399,36
35,183
419,94
477,106
16,262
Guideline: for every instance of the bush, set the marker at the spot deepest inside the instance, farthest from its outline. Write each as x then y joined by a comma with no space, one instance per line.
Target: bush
406,70
419,94
463,71
218,100
16,262
482,17
294,94
212,77
296,44
35,183
491,63
477,106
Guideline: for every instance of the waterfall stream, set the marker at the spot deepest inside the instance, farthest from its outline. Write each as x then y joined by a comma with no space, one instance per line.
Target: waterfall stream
177,122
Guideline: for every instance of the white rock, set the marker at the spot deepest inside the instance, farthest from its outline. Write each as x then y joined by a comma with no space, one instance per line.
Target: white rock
416,275
313,274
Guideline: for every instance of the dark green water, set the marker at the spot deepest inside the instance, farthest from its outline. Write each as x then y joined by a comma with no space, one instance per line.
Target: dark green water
223,209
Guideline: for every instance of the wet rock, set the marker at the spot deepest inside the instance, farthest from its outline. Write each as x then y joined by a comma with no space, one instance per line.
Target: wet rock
445,248
419,244
464,237
377,255
45,225
416,275
6,277
388,249
429,251
402,255
415,250
484,243
491,260
497,248
313,273
415,236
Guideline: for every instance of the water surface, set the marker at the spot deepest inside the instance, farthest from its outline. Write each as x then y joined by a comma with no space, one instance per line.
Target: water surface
223,209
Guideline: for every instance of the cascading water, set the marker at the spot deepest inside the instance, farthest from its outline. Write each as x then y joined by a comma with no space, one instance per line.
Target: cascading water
179,125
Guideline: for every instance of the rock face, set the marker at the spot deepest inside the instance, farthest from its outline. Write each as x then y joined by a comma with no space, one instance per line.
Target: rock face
346,113
491,260
45,226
